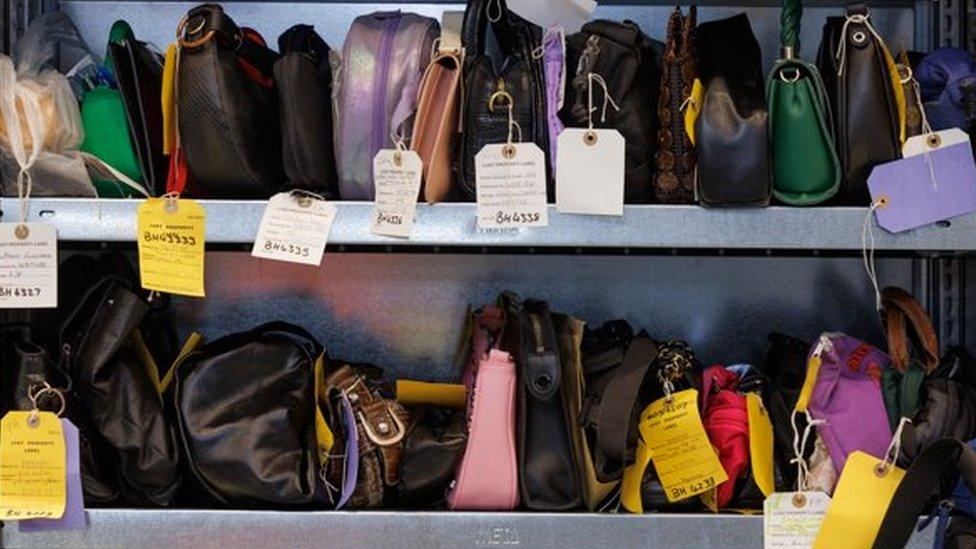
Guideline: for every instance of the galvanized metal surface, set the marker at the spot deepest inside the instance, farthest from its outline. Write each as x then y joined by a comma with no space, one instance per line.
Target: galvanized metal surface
404,530
454,225
155,21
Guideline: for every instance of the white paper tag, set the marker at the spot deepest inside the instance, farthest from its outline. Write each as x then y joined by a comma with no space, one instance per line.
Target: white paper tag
590,172
511,186
28,266
570,14
791,520
919,144
294,228
397,188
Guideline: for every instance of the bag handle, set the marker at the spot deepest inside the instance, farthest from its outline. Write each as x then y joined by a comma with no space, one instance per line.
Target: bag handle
789,33
478,15
207,22
914,490
900,311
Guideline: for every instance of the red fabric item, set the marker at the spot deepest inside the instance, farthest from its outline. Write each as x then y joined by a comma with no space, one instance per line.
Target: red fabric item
178,172
250,70
726,422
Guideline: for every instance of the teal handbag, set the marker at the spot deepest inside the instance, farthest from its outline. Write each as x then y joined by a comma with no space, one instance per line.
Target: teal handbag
805,166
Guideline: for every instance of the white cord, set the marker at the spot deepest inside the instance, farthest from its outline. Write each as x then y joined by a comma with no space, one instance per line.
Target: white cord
867,251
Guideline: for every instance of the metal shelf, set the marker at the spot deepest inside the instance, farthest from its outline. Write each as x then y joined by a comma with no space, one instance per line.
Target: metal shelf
447,225
404,529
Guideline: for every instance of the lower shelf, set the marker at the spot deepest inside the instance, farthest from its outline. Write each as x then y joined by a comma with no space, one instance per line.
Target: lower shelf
193,528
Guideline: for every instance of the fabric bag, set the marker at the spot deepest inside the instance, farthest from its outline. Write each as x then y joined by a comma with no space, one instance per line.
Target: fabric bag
630,64
805,167
866,95
674,180
432,449
227,108
303,75
548,472
487,476
248,418
383,62
511,76
947,85
731,132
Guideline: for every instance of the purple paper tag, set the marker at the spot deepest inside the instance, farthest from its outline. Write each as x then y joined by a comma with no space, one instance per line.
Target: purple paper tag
912,199
74,508
352,454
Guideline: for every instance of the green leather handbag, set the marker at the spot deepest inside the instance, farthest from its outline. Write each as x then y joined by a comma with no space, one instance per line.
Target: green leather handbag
805,166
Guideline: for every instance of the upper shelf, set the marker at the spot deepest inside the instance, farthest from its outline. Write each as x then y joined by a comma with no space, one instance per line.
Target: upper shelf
648,227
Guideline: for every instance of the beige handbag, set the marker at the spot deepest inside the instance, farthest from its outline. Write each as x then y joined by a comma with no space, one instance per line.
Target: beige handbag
437,123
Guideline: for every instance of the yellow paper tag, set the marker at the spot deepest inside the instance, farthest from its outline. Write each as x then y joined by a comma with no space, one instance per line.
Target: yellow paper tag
693,109
33,479
630,486
171,246
760,444
684,458
859,503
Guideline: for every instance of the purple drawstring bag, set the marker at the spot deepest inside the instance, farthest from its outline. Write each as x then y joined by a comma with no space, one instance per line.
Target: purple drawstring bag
554,56
383,60
847,397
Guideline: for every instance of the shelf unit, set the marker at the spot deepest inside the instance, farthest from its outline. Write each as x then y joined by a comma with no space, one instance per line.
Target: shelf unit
935,262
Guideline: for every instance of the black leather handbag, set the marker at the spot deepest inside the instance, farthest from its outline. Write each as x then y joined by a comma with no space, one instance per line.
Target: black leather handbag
227,108
246,408
863,84
304,79
432,448
630,63
496,79
549,477
732,128
115,381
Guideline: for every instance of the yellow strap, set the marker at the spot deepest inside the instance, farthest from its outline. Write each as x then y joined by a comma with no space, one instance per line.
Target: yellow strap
630,486
148,362
323,434
760,444
898,90
449,395
192,342
813,369
168,96
693,108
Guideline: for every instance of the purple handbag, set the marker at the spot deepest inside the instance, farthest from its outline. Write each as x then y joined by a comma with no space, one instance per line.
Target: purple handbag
847,397
554,55
383,61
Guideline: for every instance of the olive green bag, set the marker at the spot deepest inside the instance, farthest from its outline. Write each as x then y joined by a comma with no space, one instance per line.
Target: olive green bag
805,166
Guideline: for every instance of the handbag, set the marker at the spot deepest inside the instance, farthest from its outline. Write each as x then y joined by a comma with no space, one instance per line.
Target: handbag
914,351
630,64
432,449
731,132
139,72
785,366
487,476
437,124
370,430
304,79
227,109
674,180
384,58
947,85
248,418
548,472
115,377
513,78
866,95
805,167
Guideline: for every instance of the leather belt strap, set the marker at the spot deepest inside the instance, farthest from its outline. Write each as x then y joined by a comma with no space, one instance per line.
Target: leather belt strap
210,18
609,420
902,312
915,489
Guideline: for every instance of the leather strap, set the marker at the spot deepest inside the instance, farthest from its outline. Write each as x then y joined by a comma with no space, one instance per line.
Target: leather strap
205,19
921,478
900,312
609,420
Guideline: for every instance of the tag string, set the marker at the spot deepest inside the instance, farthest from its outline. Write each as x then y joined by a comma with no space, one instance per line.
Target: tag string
552,33
856,18
513,125
607,99
867,250
800,448
497,5
926,129
894,449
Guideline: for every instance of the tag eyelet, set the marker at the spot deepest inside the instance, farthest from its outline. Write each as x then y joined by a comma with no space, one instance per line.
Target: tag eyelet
590,138
21,232
799,500
508,151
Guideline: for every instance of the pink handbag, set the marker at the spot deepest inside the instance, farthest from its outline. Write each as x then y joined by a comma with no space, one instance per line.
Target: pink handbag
487,477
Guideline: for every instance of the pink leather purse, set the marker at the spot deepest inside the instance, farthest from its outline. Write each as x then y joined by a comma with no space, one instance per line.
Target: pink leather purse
487,477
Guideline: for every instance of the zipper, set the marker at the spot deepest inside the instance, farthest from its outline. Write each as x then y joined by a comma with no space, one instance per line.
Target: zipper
381,77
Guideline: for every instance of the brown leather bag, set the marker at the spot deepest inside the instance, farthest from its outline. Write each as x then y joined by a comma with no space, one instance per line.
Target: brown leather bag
381,424
674,181
908,327
437,124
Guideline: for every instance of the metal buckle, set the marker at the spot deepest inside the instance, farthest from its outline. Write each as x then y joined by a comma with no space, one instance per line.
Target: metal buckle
379,439
182,32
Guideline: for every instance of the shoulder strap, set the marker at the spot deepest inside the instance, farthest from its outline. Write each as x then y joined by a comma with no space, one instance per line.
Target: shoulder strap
900,312
914,490
610,419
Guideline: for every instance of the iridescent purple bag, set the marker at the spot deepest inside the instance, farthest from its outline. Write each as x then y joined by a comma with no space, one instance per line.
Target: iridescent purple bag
383,61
